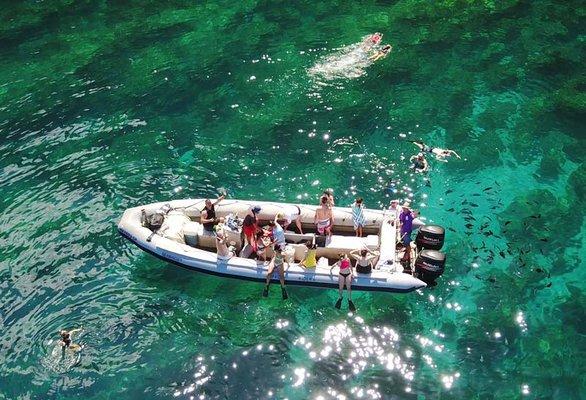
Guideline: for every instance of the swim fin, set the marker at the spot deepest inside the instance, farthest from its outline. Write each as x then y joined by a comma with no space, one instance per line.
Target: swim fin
351,306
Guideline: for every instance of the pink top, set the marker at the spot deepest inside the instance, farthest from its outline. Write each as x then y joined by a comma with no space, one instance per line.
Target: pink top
344,264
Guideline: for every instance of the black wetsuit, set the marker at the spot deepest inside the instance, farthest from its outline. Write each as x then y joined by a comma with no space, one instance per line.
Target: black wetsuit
211,214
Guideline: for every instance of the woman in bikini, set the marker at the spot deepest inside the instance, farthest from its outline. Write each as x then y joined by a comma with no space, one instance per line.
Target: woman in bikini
440,154
344,279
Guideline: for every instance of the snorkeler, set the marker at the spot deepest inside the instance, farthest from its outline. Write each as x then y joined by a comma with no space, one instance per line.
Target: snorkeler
440,154
66,337
419,163
382,53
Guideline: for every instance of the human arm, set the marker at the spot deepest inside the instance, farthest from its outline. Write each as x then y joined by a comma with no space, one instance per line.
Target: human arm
71,332
454,153
222,197
334,265
354,253
204,217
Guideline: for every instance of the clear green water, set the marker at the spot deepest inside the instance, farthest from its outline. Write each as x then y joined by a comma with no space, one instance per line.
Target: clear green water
106,105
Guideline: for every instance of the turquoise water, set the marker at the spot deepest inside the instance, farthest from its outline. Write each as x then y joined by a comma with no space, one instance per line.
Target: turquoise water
107,105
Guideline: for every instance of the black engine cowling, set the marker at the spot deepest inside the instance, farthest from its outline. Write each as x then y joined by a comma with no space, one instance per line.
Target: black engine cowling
430,237
429,265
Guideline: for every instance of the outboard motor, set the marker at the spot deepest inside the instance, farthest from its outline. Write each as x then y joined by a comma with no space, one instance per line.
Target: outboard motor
430,237
429,265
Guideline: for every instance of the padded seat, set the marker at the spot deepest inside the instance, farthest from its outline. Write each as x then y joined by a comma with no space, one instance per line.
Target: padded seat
297,238
338,244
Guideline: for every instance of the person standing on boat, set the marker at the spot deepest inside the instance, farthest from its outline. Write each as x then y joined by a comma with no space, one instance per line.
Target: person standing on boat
323,218
395,210
329,194
358,216
277,232
278,262
292,213
344,279
406,218
250,226
208,215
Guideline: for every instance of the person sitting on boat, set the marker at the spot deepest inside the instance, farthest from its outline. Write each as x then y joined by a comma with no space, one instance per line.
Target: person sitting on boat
250,226
364,260
358,216
419,163
310,259
329,193
221,246
344,279
262,243
382,53
406,218
278,262
208,215
291,213
323,218
66,339
440,154
277,233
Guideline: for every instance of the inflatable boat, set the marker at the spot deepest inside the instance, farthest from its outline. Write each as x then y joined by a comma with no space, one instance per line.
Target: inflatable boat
172,231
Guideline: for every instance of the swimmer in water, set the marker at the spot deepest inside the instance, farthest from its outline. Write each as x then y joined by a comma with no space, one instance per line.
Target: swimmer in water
382,53
66,337
419,163
440,154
